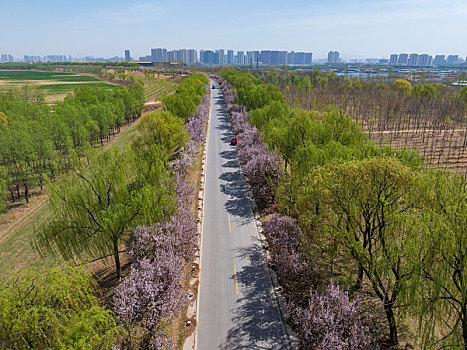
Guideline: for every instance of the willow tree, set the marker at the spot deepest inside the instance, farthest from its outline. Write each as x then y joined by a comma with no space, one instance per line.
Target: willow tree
95,206
365,205
439,286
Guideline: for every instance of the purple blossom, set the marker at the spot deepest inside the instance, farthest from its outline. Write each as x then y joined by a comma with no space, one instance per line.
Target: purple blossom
152,293
296,274
331,321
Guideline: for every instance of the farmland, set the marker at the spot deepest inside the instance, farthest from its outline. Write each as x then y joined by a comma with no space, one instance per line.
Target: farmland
429,118
54,85
157,89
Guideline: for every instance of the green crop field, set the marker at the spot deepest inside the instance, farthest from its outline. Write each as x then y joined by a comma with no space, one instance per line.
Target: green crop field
55,76
54,85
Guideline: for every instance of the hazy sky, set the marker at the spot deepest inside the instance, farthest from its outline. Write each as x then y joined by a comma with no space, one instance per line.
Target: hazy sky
356,28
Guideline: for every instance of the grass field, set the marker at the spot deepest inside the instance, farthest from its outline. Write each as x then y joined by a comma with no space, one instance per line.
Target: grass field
54,85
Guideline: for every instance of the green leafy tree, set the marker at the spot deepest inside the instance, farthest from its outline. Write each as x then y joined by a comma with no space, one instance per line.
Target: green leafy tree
402,85
163,129
438,293
95,206
365,204
54,309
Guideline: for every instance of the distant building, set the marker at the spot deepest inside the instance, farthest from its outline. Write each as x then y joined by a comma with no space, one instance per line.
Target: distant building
158,55
207,57
452,60
413,60
403,59
127,56
252,57
230,57
171,56
424,60
333,57
180,55
220,56
299,58
393,59
439,61
191,56
372,60
240,57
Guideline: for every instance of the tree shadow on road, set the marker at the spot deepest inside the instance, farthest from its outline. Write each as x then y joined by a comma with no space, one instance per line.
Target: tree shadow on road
232,164
238,203
258,323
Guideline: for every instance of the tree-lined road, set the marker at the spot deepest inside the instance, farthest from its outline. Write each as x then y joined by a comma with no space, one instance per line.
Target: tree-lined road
237,308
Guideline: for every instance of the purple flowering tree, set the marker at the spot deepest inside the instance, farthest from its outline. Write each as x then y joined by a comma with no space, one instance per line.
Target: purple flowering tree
331,321
152,294
296,274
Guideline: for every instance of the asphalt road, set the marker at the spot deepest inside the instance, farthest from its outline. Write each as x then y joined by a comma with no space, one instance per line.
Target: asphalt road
237,308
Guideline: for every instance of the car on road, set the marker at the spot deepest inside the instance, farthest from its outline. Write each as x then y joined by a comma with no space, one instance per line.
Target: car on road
213,86
233,141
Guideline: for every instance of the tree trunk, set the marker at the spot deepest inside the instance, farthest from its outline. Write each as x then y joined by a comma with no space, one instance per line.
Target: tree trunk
117,260
393,338
26,193
358,283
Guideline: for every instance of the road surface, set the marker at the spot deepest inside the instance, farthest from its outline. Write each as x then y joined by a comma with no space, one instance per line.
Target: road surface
237,308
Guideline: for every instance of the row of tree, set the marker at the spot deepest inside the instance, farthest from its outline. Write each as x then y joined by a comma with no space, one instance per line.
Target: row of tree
134,198
369,218
36,141
428,117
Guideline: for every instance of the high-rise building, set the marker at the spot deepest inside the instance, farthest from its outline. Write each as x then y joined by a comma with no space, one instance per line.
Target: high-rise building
230,57
180,55
191,56
240,57
413,60
252,57
393,59
333,57
299,58
171,56
4,58
452,60
127,56
220,56
208,57
291,58
403,59
424,60
439,60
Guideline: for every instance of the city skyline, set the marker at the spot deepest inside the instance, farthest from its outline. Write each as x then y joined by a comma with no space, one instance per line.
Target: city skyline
264,57
356,29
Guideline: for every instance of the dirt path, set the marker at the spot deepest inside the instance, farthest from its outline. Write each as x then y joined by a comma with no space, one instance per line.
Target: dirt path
20,216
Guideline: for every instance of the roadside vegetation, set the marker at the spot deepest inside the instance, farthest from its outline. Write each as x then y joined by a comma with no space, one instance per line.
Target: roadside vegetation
127,200
368,244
